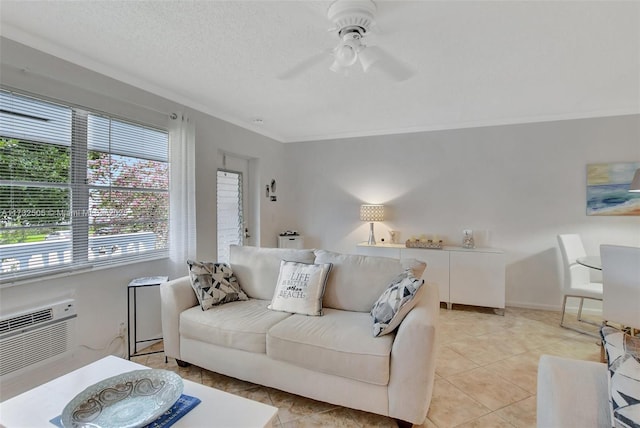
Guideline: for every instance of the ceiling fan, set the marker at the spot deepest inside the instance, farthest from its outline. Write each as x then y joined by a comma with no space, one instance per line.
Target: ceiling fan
353,20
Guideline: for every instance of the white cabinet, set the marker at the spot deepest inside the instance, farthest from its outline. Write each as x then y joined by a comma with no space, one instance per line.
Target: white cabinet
381,250
291,241
464,276
437,267
477,278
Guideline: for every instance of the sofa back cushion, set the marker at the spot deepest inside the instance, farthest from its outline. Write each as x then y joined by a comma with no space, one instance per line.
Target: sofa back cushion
356,281
257,269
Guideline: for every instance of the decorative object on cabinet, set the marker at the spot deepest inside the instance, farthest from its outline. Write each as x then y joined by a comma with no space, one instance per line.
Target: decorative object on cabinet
610,189
371,213
635,183
290,233
424,242
467,239
394,235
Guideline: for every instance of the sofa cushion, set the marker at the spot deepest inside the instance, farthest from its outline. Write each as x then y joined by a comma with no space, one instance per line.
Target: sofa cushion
356,281
623,361
257,269
395,303
338,343
240,325
300,288
214,283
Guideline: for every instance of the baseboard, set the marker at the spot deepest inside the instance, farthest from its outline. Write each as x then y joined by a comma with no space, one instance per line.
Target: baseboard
529,305
556,308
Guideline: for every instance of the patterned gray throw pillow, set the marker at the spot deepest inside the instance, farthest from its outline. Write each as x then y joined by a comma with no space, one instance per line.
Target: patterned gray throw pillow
395,303
214,284
623,360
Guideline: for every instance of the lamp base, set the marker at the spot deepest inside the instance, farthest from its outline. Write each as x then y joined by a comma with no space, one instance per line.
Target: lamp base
372,238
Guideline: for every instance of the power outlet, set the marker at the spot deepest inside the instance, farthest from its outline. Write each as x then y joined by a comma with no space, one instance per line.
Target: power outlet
122,329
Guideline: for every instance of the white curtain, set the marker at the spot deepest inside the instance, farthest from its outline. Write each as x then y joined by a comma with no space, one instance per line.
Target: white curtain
182,189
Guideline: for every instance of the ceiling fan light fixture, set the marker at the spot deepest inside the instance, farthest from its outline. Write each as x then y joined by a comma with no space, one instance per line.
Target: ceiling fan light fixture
346,13
336,67
346,54
367,58
353,20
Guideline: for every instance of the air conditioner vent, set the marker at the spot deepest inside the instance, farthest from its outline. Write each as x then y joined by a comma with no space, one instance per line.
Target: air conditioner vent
26,320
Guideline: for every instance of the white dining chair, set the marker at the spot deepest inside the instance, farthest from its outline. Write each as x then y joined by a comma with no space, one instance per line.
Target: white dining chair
621,280
577,281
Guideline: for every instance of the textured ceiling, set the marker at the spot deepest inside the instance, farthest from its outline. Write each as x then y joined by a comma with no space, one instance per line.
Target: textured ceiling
476,63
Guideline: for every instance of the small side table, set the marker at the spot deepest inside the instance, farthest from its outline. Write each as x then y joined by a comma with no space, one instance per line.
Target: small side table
153,281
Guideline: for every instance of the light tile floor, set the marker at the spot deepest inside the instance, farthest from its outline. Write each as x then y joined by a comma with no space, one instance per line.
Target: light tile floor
485,374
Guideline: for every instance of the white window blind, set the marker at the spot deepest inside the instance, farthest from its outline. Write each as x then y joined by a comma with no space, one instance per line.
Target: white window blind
78,189
229,212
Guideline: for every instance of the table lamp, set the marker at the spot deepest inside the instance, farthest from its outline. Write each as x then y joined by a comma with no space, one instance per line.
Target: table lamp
371,213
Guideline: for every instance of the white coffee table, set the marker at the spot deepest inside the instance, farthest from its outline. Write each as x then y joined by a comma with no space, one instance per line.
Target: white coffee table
35,408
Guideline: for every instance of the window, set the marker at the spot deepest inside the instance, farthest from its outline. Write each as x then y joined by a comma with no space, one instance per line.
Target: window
230,212
77,188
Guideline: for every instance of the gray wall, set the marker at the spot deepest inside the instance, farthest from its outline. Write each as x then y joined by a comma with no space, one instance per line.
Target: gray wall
516,186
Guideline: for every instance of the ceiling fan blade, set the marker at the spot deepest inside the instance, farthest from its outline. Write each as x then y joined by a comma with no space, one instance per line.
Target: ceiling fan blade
381,60
305,65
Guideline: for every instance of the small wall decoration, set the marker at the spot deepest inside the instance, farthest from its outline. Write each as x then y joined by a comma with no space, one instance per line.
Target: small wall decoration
608,189
270,191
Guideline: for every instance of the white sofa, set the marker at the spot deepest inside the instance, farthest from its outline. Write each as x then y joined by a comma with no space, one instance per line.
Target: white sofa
572,393
332,358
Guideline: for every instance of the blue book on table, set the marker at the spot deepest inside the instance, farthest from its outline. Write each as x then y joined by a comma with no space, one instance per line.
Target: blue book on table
180,408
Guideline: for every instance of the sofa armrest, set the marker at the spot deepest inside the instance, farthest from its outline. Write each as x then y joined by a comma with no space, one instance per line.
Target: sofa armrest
413,360
175,296
572,393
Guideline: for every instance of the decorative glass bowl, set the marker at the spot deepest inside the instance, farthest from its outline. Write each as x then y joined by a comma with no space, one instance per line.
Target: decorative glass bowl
128,400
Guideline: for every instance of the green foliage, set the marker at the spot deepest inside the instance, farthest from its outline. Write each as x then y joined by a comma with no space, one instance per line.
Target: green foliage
34,162
22,206
26,208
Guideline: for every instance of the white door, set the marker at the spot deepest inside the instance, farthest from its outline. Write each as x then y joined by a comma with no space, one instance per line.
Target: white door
232,205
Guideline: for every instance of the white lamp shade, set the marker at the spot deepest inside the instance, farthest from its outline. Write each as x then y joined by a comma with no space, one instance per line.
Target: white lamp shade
336,67
346,55
372,212
368,57
635,183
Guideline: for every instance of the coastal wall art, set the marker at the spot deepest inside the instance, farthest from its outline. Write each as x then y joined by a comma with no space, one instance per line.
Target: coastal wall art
608,189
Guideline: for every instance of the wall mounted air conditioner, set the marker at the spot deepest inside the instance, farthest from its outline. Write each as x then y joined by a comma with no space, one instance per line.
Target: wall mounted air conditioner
36,336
